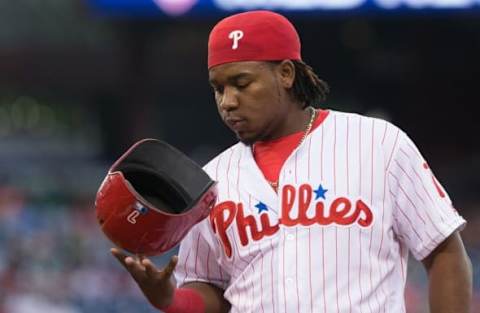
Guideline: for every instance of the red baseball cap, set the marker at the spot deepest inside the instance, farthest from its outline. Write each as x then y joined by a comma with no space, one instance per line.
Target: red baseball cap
253,36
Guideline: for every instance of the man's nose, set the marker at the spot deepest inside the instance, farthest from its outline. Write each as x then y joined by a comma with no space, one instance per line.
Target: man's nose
229,100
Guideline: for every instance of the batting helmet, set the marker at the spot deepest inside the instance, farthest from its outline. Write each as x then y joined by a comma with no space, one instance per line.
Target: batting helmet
151,197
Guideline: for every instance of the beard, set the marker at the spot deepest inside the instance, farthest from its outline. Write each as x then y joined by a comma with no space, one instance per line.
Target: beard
251,138
246,141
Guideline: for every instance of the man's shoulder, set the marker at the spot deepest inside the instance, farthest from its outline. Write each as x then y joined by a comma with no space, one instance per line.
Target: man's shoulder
377,119
385,133
212,165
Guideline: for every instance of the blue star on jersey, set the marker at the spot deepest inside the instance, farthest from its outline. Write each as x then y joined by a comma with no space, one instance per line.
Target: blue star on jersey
320,192
261,207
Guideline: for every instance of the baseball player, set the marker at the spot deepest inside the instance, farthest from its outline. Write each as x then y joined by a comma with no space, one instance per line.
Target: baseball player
317,210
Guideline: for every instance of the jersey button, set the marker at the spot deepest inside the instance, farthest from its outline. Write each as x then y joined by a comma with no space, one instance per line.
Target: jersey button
290,237
289,281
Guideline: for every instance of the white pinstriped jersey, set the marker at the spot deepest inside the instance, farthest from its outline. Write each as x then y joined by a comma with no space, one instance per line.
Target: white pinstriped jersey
353,200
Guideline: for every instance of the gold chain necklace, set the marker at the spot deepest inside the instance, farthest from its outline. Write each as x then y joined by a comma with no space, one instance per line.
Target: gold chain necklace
313,114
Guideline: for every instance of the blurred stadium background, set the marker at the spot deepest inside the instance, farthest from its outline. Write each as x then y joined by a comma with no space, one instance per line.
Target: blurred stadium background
80,81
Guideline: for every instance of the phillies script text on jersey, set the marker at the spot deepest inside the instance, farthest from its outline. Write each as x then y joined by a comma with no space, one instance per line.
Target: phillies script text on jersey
340,212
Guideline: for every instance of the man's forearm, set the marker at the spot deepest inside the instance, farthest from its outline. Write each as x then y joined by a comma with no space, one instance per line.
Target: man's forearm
450,277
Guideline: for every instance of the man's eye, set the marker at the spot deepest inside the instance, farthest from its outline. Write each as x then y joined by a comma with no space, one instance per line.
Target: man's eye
242,85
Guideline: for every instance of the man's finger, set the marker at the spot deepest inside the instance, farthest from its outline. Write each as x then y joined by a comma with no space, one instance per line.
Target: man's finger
120,256
131,265
150,268
168,270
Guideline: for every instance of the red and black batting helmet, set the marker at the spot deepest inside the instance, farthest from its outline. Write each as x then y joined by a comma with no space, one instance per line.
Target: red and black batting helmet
152,196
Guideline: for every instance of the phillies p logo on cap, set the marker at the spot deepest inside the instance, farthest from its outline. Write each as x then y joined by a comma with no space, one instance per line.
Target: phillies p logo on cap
236,35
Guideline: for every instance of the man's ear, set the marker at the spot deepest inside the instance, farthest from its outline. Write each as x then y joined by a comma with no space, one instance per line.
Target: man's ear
286,73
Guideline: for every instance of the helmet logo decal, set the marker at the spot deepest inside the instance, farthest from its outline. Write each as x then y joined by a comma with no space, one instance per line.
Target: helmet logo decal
235,35
132,217
139,210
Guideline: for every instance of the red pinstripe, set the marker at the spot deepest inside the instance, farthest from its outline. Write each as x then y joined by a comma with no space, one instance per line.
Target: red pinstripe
347,148
371,178
309,237
309,145
334,155
296,246
323,234
372,201
393,149
359,194
208,261
238,177
360,156
185,268
196,254
321,155
384,133
349,229
295,167
401,261
335,192
228,173
296,268
310,270
371,267
261,281
360,267
221,273
323,277
218,163
253,273
271,275
348,273
336,266
383,225
216,178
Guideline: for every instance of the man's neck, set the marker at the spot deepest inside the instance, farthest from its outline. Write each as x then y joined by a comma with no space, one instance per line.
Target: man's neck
294,122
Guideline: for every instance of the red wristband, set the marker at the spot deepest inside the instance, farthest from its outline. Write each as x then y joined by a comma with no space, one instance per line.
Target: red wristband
186,300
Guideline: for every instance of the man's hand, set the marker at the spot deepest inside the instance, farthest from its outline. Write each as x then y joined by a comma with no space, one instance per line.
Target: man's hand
155,284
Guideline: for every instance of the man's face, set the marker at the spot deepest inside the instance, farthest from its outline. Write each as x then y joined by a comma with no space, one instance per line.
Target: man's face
250,98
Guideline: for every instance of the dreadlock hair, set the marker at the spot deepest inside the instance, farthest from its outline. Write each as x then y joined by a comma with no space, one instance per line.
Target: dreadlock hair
307,88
